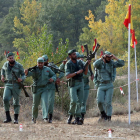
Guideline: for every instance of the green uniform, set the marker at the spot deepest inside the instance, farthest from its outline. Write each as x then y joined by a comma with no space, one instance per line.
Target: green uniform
40,89
51,89
106,73
76,87
86,92
12,88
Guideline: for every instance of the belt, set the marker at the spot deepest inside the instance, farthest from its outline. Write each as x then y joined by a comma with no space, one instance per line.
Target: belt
106,82
79,80
10,82
41,86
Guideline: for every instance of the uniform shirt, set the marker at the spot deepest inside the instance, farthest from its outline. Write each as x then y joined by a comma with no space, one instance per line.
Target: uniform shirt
107,71
7,71
41,76
70,67
62,66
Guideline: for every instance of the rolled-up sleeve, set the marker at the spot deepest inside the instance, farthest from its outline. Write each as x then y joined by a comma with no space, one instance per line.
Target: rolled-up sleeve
119,63
67,69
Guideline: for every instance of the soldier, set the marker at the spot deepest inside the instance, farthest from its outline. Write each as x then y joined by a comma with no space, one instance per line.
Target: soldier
12,88
74,70
106,73
42,75
52,86
86,87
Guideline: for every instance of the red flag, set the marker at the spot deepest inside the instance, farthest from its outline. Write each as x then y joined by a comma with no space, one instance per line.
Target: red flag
8,51
4,52
95,43
128,17
121,90
56,50
52,53
82,49
18,55
133,39
101,54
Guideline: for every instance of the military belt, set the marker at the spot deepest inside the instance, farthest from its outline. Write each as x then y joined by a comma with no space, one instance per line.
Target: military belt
10,82
79,80
106,82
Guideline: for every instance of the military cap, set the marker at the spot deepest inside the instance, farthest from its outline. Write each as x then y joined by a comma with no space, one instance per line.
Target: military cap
45,58
78,54
71,51
108,53
10,54
40,59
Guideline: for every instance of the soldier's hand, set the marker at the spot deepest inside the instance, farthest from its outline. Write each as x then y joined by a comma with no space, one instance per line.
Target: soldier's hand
65,61
114,57
80,71
19,79
89,61
57,81
92,77
51,80
26,72
2,78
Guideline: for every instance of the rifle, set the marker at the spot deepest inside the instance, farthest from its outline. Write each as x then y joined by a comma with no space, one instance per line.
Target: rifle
86,48
21,85
92,55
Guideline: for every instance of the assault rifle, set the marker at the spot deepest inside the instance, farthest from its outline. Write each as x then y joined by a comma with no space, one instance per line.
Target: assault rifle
21,85
91,55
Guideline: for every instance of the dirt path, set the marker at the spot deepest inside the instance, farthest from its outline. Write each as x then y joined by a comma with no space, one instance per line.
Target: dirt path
59,130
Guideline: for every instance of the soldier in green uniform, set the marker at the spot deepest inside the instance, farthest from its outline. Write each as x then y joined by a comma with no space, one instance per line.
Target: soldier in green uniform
86,87
106,73
51,86
74,70
12,88
42,75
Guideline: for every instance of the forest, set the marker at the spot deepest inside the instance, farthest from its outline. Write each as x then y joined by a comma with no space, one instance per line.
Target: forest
36,27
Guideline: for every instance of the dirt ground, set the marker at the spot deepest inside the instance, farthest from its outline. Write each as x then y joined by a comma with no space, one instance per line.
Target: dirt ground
59,130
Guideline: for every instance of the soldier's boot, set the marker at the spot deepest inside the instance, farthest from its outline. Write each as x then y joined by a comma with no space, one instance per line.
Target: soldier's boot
45,119
82,118
33,120
77,121
103,116
8,117
50,118
15,118
109,118
69,119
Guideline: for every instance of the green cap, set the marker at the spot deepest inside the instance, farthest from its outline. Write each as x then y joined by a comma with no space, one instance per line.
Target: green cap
45,58
40,59
10,54
108,53
71,51
78,54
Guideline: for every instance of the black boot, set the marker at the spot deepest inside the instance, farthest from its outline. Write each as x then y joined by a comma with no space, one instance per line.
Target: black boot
33,120
8,117
109,118
15,118
77,121
103,116
69,119
50,118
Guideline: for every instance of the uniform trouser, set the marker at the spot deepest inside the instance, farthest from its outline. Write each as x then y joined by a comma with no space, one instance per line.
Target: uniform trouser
85,97
9,92
51,100
76,97
104,98
40,95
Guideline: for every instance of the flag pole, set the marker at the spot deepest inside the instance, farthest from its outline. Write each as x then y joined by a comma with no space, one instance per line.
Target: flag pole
129,106
136,72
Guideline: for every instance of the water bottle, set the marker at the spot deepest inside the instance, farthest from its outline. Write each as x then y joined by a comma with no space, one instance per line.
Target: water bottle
20,127
109,133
